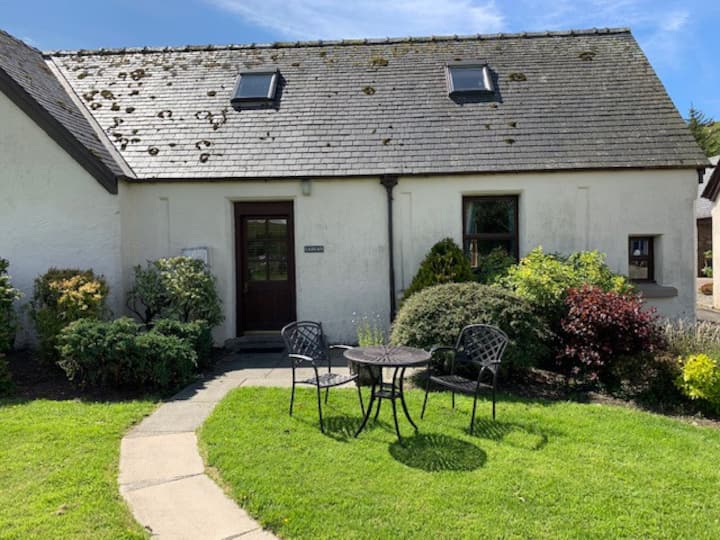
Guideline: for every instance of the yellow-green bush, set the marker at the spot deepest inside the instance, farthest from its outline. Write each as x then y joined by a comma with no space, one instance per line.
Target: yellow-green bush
62,296
700,379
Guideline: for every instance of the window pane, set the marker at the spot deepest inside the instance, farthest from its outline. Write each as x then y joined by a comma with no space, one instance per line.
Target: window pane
278,270
639,247
256,228
490,216
639,269
257,270
254,85
467,78
476,248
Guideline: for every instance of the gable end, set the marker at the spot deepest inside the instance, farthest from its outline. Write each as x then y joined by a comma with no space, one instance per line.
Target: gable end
59,133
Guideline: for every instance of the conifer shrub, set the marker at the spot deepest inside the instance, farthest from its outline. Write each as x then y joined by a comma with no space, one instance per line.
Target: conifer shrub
445,263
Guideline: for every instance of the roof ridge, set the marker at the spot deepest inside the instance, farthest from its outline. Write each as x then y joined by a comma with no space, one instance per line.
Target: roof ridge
340,42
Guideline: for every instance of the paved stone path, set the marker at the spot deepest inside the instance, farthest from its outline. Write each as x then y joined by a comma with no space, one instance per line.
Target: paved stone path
162,476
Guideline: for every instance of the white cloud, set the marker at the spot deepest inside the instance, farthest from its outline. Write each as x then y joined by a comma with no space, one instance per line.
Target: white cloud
659,26
328,19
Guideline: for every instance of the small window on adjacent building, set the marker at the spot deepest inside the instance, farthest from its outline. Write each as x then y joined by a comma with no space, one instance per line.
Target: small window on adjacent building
641,264
489,223
255,87
469,78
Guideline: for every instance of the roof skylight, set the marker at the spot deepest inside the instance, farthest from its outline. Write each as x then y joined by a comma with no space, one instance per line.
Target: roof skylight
255,87
469,79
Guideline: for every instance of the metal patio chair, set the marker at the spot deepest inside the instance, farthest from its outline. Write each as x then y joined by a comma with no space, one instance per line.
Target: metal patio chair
306,342
482,347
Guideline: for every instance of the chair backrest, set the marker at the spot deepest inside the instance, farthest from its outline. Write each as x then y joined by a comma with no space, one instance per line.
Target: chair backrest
482,344
306,338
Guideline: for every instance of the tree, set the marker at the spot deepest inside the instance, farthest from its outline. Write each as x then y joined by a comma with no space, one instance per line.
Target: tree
706,132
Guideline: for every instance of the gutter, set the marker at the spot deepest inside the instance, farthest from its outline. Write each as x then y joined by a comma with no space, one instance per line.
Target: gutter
389,181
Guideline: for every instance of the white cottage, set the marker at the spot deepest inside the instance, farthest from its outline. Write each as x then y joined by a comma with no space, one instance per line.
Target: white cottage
315,176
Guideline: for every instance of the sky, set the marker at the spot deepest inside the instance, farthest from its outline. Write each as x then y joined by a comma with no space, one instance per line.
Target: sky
679,36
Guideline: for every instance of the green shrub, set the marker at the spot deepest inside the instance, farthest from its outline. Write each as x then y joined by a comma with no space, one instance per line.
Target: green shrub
545,279
62,296
445,263
437,315
179,288
96,353
493,266
6,384
701,379
120,354
163,362
8,320
197,333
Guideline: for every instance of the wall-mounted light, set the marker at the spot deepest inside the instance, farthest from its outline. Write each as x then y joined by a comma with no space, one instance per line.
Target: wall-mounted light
306,187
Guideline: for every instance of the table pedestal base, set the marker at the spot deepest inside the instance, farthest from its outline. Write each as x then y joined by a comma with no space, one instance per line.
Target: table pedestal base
388,390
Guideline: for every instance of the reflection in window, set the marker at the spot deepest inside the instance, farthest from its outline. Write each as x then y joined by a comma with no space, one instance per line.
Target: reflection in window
267,249
489,223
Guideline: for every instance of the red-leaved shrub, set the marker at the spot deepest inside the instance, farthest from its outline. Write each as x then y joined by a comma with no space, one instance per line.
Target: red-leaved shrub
601,327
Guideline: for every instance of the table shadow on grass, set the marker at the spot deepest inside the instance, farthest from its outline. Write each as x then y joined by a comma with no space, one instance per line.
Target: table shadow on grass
434,452
514,434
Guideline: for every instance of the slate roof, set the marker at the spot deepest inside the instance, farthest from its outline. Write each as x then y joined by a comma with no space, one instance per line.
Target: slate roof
566,100
26,78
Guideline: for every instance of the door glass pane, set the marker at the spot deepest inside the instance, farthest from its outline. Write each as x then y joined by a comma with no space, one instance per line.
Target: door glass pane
277,248
257,270
278,270
256,228
257,249
277,228
489,216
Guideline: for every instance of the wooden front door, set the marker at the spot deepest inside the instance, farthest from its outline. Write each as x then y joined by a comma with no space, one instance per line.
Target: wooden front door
265,265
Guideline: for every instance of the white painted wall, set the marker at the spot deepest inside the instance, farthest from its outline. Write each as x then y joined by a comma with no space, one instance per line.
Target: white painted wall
566,212
348,217
561,211
52,212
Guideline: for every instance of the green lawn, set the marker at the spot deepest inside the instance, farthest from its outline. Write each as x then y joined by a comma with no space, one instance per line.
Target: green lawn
58,469
544,470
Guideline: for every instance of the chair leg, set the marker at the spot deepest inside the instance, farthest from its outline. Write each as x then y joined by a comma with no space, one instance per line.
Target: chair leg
427,390
453,399
292,397
362,406
472,417
377,411
319,400
493,396
327,393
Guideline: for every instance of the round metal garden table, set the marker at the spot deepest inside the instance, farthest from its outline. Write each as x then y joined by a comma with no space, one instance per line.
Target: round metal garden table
382,356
